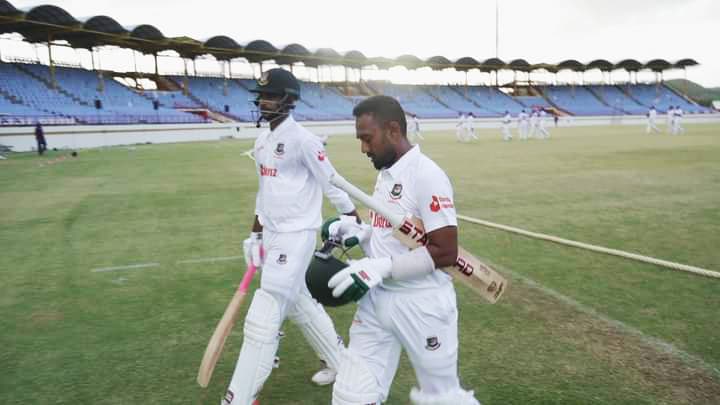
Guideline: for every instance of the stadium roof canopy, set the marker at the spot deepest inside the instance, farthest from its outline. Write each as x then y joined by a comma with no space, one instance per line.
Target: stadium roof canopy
600,64
466,63
438,62
47,23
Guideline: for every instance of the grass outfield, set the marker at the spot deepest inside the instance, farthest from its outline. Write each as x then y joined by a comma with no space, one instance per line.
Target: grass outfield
575,327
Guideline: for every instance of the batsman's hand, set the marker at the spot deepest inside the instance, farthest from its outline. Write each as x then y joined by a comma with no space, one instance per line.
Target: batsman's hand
360,276
253,250
347,230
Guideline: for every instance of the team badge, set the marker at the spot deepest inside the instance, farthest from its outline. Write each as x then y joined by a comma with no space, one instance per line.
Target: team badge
282,259
264,79
280,149
396,192
432,343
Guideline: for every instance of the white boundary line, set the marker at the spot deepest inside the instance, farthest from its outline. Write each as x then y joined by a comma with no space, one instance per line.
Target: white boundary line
128,267
595,248
654,342
210,260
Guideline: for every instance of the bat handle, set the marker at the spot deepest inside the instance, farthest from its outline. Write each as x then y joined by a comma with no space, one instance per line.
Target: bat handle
247,278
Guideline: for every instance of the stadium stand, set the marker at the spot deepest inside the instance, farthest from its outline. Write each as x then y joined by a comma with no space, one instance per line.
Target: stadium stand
662,98
495,100
225,96
617,99
414,100
27,96
577,100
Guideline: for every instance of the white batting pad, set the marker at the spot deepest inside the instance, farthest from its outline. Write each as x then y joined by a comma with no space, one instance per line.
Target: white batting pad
257,355
318,329
355,385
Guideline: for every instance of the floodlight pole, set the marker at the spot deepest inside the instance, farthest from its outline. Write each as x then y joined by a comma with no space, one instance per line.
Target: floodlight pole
497,29
53,83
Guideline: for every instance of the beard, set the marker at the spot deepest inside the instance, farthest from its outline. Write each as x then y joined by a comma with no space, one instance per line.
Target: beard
383,160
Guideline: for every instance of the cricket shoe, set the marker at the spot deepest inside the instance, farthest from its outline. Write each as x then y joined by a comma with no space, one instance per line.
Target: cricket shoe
325,376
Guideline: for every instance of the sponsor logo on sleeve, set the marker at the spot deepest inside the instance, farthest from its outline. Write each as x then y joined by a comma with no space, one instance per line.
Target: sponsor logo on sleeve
439,202
321,155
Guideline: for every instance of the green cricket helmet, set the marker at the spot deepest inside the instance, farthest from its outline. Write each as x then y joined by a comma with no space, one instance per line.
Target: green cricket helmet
279,82
322,268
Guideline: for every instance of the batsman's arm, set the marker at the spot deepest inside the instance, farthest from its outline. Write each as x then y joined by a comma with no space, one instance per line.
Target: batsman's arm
222,330
467,269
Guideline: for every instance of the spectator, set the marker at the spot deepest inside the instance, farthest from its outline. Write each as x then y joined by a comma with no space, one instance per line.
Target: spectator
40,139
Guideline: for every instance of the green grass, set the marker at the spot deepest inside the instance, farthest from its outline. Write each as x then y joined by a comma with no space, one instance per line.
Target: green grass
73,336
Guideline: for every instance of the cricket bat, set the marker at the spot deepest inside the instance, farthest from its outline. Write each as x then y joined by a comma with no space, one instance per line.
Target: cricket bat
409,230
223,329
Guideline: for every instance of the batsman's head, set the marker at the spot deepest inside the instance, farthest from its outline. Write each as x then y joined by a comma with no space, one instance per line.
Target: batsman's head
381,127
277,90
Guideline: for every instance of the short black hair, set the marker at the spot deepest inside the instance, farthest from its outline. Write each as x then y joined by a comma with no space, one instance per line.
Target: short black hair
384,109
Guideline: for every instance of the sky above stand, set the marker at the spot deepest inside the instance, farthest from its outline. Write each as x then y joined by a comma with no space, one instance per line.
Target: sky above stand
536,31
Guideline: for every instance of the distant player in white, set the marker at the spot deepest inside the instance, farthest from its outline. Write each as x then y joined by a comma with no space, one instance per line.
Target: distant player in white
293,171
414,128
461,128
677,128
506,121
471,126
670,116
651,117
542,118
523,124
404,302
533,123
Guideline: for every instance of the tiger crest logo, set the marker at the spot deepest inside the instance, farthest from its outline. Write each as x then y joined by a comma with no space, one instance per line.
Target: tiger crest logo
264,79
396,191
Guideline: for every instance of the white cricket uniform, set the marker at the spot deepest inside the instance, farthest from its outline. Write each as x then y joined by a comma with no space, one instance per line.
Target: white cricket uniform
523,125
651,117
461,130
417,315
533,124
677,128
293,171
416,127
669,119
542,118
471,127
507,120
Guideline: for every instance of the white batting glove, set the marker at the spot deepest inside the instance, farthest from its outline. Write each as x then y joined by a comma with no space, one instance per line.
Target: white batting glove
355,280
349,231
253,250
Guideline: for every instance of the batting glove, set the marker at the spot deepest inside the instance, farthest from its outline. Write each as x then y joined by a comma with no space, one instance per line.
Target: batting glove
360,276
347,230
253,250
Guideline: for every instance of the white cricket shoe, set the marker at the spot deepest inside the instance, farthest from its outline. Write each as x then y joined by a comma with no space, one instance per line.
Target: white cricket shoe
325,376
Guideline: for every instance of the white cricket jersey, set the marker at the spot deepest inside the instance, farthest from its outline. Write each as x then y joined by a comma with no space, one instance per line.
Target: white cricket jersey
652,114
418,186
522,118
507,119
293,171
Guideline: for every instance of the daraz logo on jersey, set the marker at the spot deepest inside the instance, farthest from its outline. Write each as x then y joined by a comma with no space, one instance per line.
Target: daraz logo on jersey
268,171
439,202
379,221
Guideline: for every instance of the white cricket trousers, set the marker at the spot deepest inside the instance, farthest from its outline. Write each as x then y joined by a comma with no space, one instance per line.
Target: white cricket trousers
423,322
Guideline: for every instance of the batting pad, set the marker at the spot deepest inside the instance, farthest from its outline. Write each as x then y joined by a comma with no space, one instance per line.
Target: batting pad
355,384
318,329
257,355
